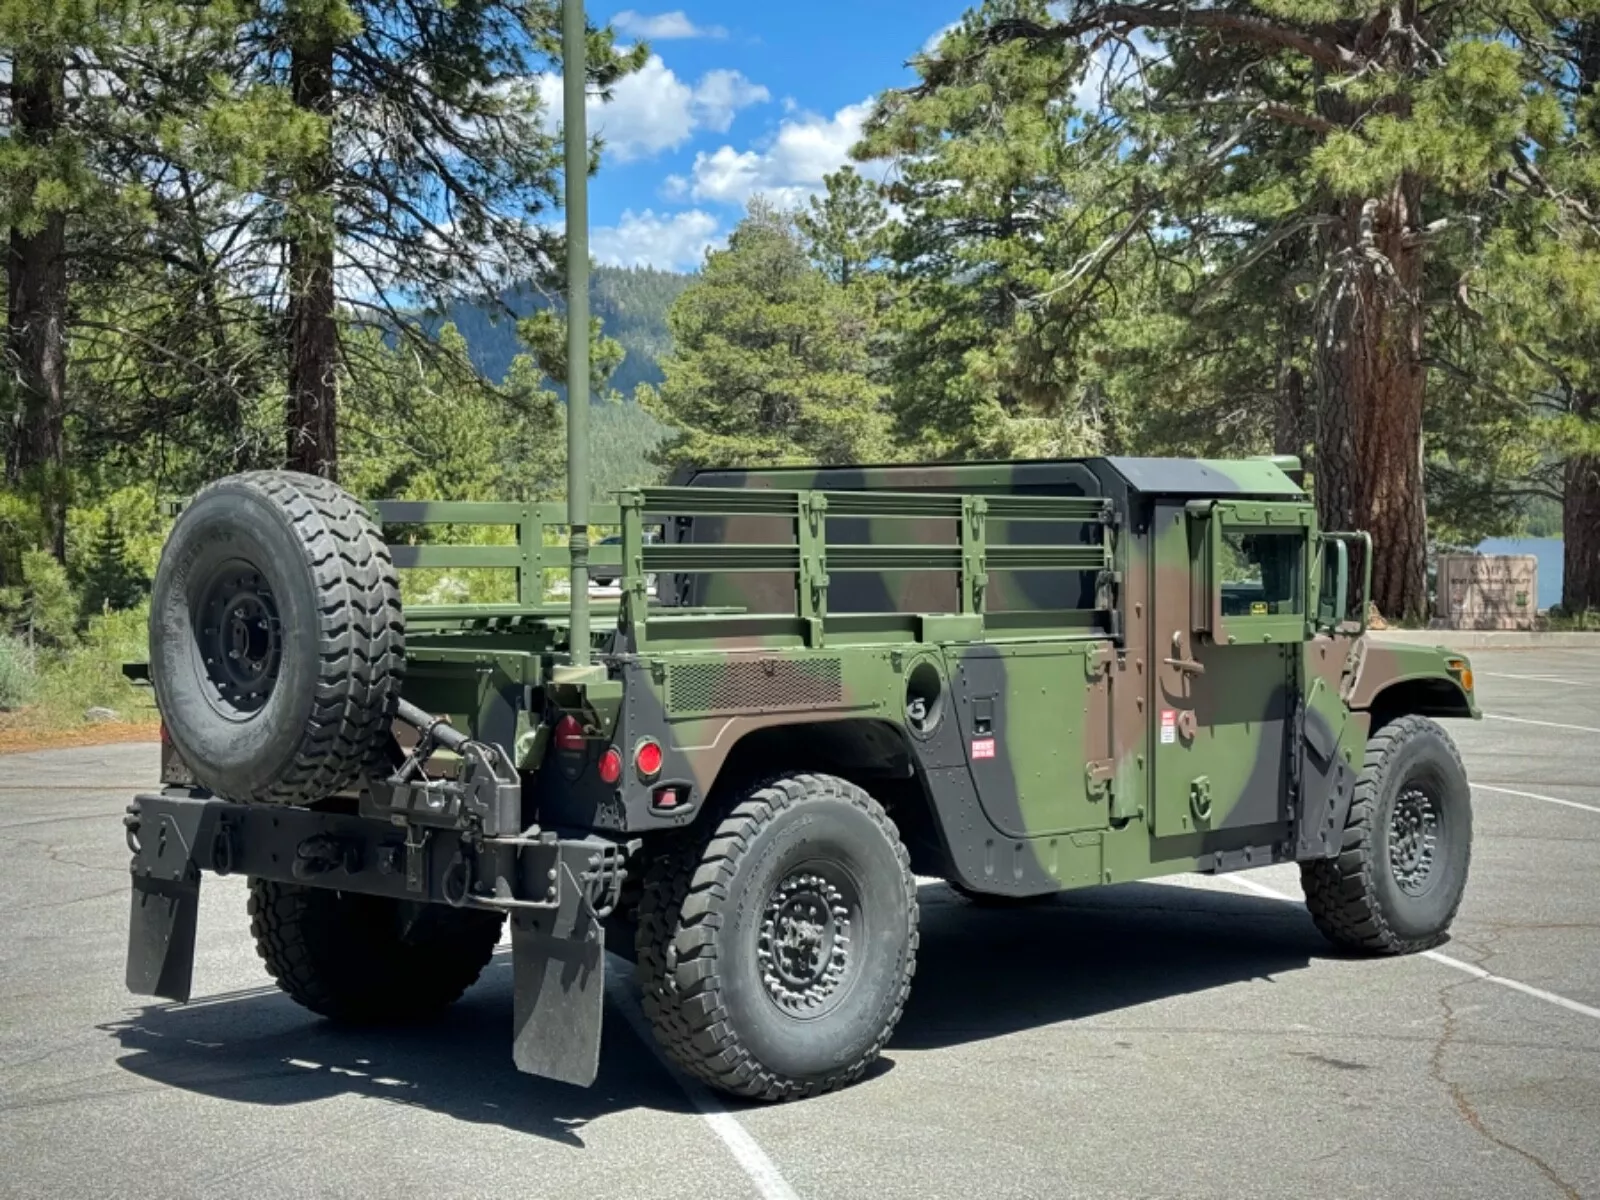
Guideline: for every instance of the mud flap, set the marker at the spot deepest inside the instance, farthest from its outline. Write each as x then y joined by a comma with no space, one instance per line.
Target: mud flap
558,970
1330,738
161,936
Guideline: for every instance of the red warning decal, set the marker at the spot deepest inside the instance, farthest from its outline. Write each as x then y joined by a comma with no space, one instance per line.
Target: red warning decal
983,747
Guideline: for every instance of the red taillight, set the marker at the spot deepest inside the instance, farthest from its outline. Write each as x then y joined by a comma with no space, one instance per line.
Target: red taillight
166,738
647,760
611,765
569,735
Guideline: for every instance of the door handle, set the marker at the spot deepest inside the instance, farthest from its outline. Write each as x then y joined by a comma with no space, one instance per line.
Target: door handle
1187,665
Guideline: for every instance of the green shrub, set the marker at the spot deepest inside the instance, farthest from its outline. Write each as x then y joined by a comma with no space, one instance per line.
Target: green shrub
89,674
43,609
18,677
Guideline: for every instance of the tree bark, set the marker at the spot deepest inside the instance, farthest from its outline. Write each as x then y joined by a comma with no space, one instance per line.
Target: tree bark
312,413
1580,521
1288,417
1580,500
36,326
1372,384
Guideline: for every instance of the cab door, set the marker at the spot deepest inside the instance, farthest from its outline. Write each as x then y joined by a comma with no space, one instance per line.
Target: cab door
1228,601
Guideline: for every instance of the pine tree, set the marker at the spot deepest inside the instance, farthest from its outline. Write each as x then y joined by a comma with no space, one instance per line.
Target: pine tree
413,159
82,80
986,333
111,581
769,361
845,230
1376,130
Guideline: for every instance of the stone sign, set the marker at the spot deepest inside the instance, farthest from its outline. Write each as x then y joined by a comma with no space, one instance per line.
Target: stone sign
1488,591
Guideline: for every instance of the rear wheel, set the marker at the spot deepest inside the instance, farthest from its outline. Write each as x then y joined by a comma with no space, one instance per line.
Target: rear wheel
776,954
1398,879
366,959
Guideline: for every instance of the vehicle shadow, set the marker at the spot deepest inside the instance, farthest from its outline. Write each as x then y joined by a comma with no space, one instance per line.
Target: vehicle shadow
981,973
985,972
259,1047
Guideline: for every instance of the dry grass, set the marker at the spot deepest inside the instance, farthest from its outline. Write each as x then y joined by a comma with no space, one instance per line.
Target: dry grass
19,733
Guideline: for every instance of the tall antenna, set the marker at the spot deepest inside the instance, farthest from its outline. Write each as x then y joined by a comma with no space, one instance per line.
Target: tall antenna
574,72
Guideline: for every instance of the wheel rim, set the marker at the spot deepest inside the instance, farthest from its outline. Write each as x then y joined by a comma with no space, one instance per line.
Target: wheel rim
239,637
1413,838
805,949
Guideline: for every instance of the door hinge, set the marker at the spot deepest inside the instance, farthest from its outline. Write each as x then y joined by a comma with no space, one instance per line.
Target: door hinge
1098,661
1098,775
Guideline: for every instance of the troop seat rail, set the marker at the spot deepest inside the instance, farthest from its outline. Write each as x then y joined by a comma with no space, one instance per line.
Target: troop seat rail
815,549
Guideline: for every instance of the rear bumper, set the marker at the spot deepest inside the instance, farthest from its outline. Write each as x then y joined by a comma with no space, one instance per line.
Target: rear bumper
555,889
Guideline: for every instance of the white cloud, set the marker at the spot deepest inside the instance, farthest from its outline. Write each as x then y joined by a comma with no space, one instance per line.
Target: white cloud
720,94
931,46
669,241
1114,65
786,170
663,27
653,110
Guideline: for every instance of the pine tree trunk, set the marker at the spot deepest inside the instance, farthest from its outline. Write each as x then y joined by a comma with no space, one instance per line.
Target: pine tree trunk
1580,501
312,414
1580,521
36,328
1371,378
1288,417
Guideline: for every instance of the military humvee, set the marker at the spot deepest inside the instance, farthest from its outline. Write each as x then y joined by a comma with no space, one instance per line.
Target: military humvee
818,684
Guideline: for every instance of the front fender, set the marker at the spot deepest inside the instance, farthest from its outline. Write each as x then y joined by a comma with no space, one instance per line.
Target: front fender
1431,681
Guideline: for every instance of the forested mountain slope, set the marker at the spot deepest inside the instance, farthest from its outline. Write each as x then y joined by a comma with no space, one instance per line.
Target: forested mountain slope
631,302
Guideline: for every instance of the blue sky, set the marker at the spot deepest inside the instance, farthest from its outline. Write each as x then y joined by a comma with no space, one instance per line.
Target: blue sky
738,98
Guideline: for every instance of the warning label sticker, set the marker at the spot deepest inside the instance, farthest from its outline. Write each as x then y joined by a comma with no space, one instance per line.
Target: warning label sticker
1169,726
983,747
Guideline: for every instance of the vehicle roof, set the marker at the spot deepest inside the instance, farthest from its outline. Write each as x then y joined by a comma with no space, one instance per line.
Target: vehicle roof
1261,477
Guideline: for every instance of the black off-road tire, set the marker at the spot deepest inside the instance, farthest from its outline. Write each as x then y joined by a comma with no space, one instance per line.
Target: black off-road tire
715,903
362,959
1363,900
277,644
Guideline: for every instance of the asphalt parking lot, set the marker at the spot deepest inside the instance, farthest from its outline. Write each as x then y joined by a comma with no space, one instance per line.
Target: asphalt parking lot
1189,1038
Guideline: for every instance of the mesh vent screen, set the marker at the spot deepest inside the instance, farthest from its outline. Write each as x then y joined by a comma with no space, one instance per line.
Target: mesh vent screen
754,684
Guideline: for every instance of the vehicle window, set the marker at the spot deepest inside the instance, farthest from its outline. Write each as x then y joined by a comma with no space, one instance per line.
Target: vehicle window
1261,574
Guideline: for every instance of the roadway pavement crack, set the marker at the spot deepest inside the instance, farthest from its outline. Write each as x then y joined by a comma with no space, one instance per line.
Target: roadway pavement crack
57,854
1468,1111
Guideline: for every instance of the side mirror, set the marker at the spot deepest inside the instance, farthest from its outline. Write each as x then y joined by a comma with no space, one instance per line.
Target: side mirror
1333,600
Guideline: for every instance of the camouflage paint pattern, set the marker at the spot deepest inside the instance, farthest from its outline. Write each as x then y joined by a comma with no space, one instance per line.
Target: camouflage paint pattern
1096,710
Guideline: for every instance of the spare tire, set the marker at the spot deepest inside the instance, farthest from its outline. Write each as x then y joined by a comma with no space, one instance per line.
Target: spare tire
277,644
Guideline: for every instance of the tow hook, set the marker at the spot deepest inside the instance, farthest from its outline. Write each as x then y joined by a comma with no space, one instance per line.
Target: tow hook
323,853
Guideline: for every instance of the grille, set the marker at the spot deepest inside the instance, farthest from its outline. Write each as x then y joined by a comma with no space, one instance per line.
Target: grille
746,684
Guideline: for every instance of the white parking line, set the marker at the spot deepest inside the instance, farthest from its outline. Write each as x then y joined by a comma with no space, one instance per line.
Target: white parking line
1489,787
747,1152
1515,985
1547,724
1539,678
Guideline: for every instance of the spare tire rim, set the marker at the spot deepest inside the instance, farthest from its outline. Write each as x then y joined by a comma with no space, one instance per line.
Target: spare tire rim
804,947
1413,836
239,637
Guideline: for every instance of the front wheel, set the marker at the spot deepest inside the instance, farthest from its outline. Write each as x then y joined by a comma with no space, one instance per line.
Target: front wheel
776,954
1397,881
